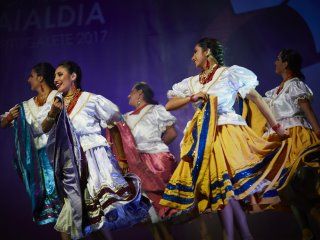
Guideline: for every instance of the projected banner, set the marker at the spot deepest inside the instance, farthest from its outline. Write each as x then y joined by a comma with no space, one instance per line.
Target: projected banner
118,43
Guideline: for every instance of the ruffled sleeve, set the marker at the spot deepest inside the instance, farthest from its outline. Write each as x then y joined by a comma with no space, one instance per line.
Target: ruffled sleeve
242,80
268,95
299,90
163,117
106,111
180,89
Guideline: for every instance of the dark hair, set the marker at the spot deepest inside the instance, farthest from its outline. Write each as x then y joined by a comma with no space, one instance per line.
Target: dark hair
46,70
73,67
147,92
215,47
294,60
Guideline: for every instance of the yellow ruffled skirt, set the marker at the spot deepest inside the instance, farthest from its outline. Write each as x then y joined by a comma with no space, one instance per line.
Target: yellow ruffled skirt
223,162
304,142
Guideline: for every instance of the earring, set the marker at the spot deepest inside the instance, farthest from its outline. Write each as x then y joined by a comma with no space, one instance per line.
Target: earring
207,64
138,103
208,53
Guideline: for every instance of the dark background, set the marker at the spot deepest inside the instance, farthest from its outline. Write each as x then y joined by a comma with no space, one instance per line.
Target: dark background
118,43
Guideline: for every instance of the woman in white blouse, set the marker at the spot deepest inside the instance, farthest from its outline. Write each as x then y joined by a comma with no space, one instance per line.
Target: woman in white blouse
32,162
290,104
152,127
229,162
95,193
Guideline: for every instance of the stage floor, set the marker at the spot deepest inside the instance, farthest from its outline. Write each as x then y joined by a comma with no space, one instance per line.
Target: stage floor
264,226
269,225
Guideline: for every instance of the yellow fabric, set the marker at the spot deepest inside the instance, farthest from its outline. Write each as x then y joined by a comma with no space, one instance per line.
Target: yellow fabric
304,142
183,173
232,152
254,117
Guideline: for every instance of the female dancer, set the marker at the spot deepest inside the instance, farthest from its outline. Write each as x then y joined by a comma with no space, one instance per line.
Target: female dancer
290,104
152,127
32,162
223,160
87,175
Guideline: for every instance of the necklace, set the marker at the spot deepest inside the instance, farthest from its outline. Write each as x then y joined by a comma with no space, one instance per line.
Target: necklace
206,75
71,100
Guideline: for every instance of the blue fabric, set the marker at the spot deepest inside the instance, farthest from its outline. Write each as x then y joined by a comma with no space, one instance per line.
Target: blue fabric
177,199
202,143
179,187
36,171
